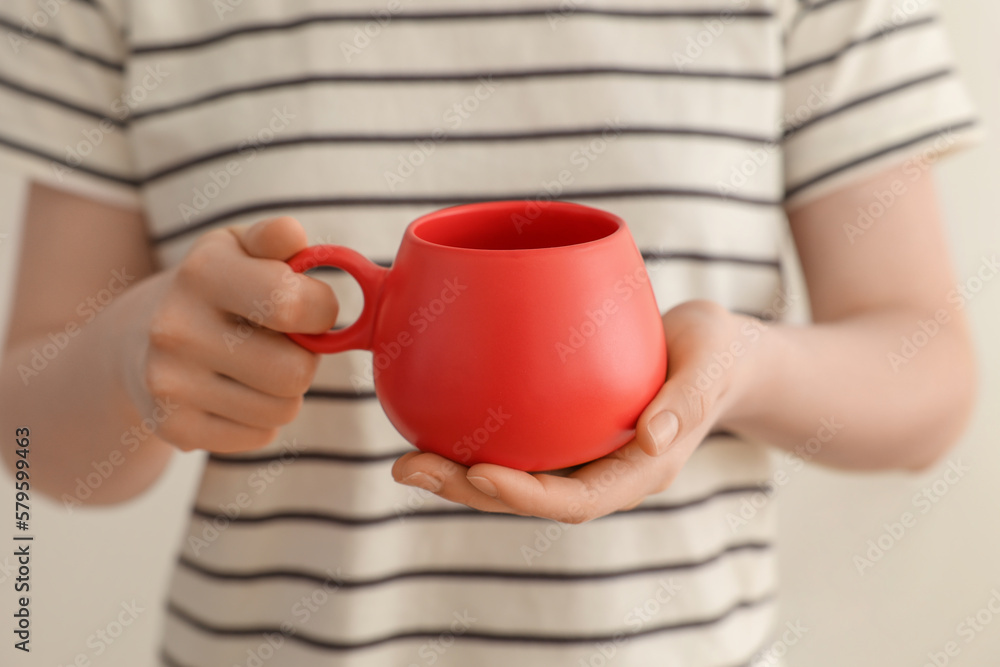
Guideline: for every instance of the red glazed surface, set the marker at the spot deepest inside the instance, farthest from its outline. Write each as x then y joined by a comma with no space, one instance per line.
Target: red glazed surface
518,333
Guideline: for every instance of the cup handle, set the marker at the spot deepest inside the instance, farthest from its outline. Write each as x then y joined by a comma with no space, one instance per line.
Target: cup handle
369,275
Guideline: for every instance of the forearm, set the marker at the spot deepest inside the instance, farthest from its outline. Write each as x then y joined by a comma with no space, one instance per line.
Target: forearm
847,394
90,444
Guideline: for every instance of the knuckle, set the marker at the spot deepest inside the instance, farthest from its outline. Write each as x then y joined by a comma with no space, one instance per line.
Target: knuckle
183,445
197,264
300,374
697,404
257,438
159,379
167,331
174,432
577,516
704,308
287,312
289,410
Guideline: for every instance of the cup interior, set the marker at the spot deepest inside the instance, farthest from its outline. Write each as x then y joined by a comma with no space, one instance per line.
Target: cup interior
521,225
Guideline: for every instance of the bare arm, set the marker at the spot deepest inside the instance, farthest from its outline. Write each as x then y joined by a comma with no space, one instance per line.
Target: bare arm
870,291
60,373
112,365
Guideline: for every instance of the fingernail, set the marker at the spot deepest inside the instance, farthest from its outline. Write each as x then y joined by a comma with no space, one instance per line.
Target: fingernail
485,485
424,481
662,429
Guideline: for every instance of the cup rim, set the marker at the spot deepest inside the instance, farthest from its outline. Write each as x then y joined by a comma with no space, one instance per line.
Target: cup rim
412,236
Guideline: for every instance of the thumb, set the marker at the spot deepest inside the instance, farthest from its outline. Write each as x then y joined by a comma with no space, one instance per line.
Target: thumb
680,408
276,238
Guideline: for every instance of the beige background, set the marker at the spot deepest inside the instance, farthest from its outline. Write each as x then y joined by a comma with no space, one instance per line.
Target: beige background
943,569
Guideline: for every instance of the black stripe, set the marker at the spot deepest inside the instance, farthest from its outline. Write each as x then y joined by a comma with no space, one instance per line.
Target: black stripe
451,573
836,55
662,256
876,154
450,77
340,394
100,173
460,512
819,4
909,83
471,635
451,200
346,17
52,99
384,263
309,455
61,44
473,137
169,660
764,317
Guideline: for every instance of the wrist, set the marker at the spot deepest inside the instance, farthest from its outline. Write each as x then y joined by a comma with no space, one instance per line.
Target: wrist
755,365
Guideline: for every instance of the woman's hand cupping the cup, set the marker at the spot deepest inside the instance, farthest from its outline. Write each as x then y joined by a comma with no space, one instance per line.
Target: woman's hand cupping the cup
690,405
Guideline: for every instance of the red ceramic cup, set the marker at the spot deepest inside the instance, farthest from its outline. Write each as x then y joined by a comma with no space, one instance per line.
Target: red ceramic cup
520,333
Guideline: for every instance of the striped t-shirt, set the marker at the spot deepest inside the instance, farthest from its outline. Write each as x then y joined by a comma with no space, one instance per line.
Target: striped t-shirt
696,121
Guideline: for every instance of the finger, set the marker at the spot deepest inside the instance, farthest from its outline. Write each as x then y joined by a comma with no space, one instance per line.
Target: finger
218,395
188,429
444,478
599,488
277,238
261,359
680,408
263,291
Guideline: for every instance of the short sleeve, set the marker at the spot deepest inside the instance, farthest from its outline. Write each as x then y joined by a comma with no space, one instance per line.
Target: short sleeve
867,84
63,104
